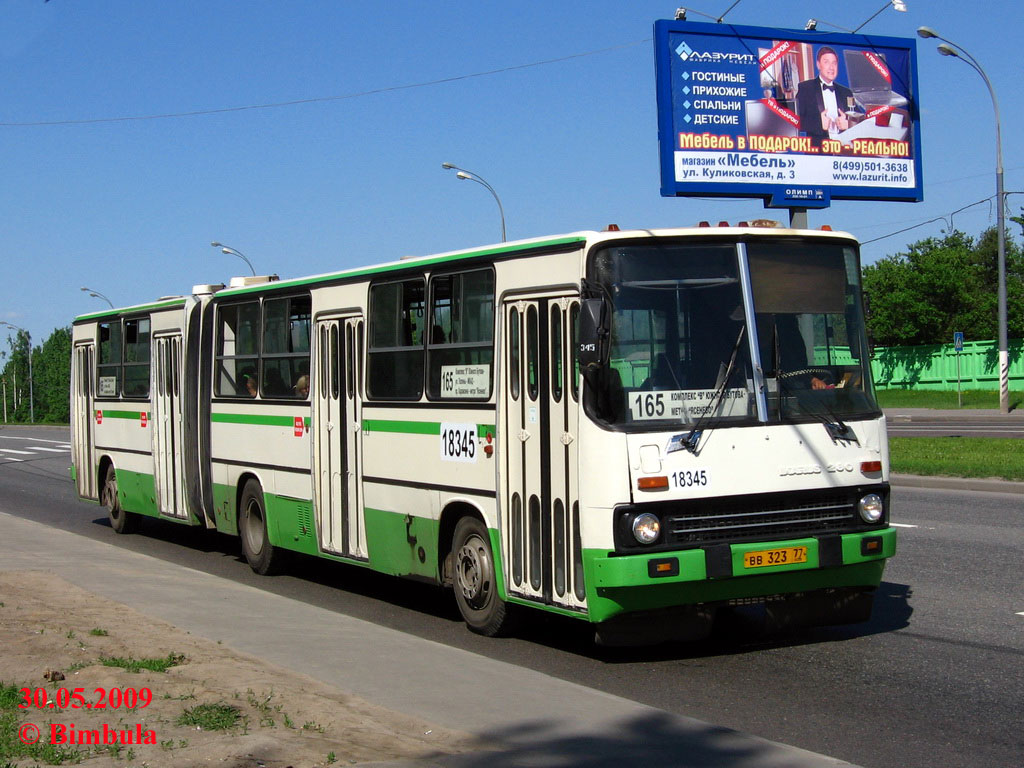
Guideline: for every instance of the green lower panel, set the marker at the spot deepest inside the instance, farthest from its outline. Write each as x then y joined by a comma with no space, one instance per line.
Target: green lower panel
402,545
290,523
137,492
224,514
623,584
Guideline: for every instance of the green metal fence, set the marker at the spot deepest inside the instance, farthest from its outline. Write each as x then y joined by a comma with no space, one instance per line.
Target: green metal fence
934,366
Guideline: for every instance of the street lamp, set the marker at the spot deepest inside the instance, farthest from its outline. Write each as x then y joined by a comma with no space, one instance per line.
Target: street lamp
97,295
949,48
233,252
31,394
464,174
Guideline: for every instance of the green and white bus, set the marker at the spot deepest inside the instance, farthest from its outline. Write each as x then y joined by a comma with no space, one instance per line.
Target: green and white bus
634,428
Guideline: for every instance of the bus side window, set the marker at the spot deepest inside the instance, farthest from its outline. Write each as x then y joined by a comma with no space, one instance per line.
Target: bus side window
238,350
460,350
395,355
285,351
108,366
136,357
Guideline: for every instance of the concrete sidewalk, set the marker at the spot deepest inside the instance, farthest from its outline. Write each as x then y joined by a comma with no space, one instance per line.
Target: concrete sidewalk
534,719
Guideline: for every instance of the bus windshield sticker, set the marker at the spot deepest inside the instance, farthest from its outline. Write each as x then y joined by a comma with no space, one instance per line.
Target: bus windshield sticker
686,404
108,386
458,442
466,381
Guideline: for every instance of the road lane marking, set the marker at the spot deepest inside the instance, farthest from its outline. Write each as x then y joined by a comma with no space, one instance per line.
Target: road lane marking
10,458
51,450
11,450
902,525
34,439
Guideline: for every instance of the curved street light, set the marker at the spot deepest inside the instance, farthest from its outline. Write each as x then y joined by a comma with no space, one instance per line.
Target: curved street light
31,394
462,173
228,250
949,48
97,295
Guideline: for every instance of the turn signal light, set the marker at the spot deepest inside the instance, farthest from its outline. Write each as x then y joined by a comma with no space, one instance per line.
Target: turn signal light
656,483
870,466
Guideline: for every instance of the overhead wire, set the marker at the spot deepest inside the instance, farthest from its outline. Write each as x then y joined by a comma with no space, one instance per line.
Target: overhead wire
322,99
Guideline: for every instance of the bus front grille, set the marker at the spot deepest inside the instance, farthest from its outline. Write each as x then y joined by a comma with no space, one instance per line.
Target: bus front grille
731,521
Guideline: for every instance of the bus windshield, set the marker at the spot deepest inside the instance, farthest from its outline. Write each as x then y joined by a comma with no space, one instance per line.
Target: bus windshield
686,349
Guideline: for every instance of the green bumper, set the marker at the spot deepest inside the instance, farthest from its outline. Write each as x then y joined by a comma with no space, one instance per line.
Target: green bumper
631,582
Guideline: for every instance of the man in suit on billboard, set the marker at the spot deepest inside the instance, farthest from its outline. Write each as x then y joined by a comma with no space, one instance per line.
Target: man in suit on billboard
821,103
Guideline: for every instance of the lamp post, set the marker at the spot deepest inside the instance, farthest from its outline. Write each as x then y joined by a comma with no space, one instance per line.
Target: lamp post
949,48
97,295
228,250
462,173
31,394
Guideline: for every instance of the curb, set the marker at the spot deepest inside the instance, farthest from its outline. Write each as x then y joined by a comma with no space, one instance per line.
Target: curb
989,485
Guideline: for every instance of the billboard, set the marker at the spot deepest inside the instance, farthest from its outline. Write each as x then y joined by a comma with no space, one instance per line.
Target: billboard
798,118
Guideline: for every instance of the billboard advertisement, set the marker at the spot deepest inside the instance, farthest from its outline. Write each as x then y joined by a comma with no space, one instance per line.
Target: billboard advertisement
796,117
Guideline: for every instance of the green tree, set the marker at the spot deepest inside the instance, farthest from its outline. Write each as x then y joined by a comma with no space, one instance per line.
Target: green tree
942,285
51,378
15,374
52,370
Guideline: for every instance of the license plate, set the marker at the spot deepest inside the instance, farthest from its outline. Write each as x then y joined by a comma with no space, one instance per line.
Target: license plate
763,558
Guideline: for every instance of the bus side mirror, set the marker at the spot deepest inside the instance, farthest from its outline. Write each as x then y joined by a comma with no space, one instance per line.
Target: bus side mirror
593,336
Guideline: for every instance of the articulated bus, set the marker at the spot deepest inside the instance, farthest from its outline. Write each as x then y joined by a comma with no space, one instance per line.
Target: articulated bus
634,428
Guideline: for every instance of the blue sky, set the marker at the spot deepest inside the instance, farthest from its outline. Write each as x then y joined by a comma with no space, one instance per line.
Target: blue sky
129,207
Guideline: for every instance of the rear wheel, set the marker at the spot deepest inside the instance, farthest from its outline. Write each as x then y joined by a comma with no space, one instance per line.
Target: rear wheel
475,580
121,520
262,556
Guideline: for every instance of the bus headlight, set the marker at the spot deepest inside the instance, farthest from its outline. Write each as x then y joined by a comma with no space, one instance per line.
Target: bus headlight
646,528
871,508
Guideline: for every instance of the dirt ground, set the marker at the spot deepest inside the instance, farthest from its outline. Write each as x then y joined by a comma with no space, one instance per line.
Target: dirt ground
50,627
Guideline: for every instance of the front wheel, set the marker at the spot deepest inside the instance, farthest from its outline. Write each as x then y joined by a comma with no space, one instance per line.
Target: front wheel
475,580
263,557
121,520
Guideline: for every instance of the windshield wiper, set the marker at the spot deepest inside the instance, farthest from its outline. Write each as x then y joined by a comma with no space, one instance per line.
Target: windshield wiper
690,441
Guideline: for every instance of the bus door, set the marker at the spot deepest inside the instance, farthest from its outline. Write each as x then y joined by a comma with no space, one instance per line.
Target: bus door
337,437
83,442
540,509
167,432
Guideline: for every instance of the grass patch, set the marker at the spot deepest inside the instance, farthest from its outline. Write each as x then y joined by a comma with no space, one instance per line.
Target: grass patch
211,717
10,697
943,399
137,665
12,748
97,632
958,456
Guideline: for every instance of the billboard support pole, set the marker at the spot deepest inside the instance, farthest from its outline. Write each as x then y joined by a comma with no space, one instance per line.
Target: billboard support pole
798,218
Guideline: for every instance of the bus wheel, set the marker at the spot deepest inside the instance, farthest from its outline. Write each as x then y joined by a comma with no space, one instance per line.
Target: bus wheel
121,520
262,556
476,588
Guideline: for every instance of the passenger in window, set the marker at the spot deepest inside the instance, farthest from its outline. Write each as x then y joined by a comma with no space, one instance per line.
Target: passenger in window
302,387
251,385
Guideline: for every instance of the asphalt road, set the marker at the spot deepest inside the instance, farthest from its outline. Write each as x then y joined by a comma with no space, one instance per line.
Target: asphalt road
935,679
926,422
